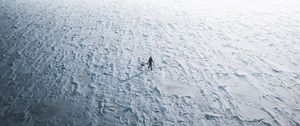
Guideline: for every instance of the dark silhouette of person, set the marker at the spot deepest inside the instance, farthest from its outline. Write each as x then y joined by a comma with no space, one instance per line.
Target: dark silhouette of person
150,63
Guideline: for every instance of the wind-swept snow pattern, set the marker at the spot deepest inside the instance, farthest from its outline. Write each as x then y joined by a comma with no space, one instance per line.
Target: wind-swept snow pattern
216,62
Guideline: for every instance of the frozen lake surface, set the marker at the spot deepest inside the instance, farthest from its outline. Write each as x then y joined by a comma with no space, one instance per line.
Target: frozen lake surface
217,62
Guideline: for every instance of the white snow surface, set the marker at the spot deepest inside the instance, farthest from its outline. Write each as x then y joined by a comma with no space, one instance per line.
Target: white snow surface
217,62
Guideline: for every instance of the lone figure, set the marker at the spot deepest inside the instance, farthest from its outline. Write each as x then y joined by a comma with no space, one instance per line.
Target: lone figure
150,63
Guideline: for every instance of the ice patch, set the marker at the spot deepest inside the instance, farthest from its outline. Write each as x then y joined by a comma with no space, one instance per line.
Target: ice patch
172,87
42,112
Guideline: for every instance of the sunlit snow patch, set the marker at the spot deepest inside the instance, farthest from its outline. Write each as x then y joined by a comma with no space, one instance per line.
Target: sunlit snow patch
172,87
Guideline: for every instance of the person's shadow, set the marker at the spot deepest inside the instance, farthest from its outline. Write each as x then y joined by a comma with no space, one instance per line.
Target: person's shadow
136,75
133,76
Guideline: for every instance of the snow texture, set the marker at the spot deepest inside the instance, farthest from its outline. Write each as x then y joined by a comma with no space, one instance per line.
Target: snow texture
217,62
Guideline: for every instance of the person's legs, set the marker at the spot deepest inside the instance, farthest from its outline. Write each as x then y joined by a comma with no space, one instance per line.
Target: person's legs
150,66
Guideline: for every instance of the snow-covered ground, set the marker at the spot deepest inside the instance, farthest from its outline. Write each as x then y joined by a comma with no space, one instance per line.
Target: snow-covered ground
217,62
